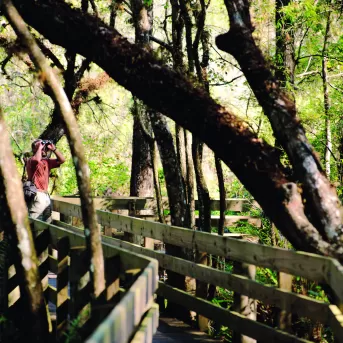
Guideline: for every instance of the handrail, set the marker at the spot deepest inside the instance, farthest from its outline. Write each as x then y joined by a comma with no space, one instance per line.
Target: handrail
133,308
299,304
311,266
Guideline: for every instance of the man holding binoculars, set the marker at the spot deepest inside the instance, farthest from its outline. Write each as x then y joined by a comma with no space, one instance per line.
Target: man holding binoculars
38,171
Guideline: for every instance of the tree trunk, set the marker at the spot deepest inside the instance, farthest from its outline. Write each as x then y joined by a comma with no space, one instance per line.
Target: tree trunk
284,54
181,152
222,196
177,199
32,313
142,181
141,184
328,141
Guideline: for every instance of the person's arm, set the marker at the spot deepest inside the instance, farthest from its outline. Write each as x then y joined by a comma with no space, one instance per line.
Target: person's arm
58,154
37,157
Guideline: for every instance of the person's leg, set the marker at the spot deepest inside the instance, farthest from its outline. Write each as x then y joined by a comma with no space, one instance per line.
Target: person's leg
37,206
46,215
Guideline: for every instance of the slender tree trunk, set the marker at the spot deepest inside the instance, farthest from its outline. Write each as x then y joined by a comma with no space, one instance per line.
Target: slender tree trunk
177,200
157,186
189,180
181,152
32,314
92,235
328,141
284,54
203,193
113,12
222,196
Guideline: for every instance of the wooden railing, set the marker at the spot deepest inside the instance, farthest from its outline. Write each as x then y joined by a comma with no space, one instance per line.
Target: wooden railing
126,309
145,208
313,267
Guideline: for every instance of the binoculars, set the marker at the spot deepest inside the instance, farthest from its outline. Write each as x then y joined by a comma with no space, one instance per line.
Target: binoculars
46,142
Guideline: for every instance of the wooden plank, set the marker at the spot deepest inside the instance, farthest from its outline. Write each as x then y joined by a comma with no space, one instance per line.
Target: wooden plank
232,220
53,264
335,280
235,205
228,318
112,273
148,327
115,203
243,304
41,241
296,303
79,285
63,248
124,318
336,323
284,319
52,294
76,235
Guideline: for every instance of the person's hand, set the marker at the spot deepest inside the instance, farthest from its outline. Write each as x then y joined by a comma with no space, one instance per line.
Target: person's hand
39,145
51,146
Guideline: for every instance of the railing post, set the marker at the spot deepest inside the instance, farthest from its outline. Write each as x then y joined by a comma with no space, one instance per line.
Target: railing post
130,237
242,303
66,219
285,316
63,248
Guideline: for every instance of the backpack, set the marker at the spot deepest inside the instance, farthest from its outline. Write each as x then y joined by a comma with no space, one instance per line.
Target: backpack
29,188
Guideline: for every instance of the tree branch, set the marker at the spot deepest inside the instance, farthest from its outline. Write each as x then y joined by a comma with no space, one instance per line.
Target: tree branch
254,162
322,203
163,44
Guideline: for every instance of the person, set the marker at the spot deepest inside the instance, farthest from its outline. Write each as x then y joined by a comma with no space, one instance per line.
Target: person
38,171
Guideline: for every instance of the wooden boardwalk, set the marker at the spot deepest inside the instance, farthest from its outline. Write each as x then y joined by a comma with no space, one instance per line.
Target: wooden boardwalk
171,330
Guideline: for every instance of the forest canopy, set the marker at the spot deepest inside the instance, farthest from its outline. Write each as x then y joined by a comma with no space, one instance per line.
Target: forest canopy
273,67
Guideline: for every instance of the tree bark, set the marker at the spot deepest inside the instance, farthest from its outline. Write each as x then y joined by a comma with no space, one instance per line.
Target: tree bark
222,196
322,204
142,182
284,54
177,200
327,105
254,162
14,221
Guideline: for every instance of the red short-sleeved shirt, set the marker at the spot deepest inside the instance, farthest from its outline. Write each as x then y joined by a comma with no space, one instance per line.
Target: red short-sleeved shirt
41,171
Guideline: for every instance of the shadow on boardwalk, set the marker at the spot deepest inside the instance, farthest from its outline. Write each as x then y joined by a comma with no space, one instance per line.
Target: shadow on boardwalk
172,330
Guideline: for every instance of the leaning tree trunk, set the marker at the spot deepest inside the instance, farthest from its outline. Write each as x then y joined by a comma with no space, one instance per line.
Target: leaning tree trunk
33,320
255,163
321,203
92,235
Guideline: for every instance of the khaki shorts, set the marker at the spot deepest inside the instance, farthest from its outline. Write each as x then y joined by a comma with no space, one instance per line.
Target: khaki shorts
40,207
